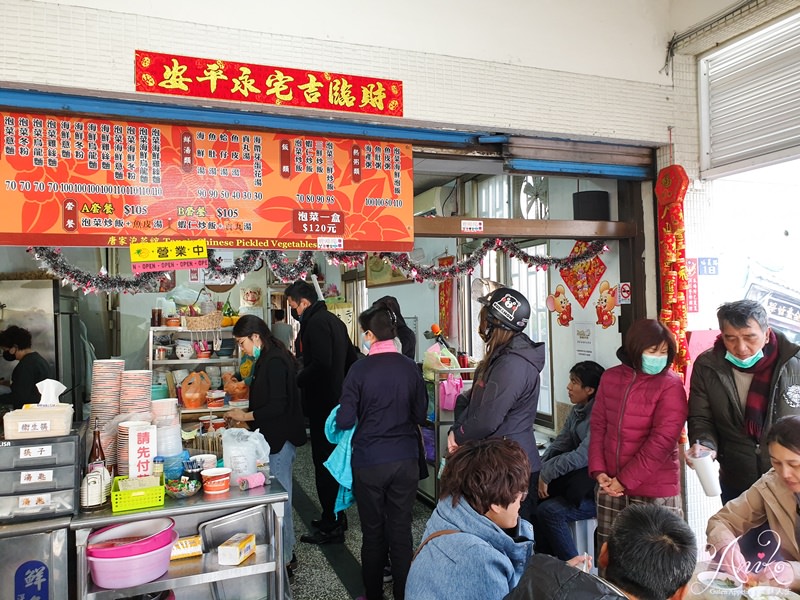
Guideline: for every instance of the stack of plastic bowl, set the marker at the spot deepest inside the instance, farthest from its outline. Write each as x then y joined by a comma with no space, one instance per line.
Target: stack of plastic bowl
131,554
170,446
165,412
216,377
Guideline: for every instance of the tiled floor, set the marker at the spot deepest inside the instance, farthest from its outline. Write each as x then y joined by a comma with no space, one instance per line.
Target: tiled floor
331,572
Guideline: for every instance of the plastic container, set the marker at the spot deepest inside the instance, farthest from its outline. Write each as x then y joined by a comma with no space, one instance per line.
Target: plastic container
215,398
133,499
35,453
173,466
216,480
208,461
117,573
38,422
129,539
39,479
39,505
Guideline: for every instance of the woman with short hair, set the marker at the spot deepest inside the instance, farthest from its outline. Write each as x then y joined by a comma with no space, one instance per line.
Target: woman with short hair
475,546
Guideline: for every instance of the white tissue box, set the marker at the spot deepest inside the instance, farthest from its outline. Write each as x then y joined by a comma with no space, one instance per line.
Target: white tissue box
34,421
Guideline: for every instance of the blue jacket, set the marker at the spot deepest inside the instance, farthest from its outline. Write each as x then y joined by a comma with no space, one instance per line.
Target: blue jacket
338,462
482,562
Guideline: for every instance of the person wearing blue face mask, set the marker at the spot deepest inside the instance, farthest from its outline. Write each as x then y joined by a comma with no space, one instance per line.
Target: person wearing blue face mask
274,409
739,388
639,412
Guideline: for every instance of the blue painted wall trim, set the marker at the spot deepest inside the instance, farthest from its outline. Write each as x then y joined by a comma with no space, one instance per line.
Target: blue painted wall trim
575,168
23,100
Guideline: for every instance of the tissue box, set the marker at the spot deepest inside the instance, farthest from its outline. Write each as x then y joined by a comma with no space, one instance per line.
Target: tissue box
35,421
236,548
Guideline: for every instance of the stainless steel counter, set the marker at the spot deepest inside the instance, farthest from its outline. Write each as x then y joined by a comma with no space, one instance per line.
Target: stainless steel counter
34,559
202,571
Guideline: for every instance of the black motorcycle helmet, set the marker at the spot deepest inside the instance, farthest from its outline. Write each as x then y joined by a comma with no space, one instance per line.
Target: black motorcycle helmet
507,308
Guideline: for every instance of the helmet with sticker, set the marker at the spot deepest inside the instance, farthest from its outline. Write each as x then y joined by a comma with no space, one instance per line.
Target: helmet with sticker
507,308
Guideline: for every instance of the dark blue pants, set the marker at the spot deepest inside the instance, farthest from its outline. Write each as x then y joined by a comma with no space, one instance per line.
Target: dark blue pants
553,517
385,499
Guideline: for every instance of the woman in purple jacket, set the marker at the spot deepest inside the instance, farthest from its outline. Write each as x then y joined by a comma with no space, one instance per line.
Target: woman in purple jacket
639,412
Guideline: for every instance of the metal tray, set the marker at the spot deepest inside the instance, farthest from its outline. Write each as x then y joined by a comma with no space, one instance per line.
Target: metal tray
215,532
250,520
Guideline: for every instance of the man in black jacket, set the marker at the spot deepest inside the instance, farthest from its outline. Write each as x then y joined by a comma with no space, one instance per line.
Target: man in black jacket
325,347
651,553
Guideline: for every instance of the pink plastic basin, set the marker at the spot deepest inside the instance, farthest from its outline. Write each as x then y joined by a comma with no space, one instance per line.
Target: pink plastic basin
129,539
115,573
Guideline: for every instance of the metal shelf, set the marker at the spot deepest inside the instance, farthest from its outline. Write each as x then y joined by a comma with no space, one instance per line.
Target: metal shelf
202,573
428,489
206,361
187,572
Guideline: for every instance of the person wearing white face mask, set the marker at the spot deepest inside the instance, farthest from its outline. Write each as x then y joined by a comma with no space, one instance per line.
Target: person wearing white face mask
639,412
739,388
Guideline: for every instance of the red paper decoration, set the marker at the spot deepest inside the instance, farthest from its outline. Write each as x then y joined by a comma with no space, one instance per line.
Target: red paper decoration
671,187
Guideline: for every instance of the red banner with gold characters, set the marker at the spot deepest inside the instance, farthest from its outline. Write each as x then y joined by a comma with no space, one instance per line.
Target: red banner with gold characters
88,181
176,75
671,187
446,299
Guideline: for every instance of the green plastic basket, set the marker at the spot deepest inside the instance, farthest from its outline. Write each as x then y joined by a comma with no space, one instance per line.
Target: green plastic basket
135,499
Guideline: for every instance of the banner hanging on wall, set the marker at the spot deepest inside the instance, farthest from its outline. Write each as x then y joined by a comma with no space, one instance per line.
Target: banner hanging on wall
175,75
76,181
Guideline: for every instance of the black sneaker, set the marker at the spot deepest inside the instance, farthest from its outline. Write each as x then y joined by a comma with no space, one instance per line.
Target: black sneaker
341,521
387,574
293,564
335,536
289,574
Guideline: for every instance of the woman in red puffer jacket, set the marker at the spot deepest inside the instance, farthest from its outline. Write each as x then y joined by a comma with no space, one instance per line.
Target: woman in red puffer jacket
639,412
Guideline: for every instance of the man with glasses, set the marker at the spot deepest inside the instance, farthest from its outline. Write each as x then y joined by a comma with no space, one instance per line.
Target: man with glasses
324,351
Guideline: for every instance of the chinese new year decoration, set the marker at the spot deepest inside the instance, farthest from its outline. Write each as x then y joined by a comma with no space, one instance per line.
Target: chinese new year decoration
175,75
558,303
671,187
446,298
582,277
606,303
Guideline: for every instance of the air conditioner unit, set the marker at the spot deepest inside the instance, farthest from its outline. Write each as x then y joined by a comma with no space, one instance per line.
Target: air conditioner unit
429,203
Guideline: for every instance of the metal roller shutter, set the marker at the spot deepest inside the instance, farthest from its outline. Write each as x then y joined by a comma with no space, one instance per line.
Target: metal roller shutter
750,101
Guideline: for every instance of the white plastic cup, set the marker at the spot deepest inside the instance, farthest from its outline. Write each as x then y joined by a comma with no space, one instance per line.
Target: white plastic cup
707,472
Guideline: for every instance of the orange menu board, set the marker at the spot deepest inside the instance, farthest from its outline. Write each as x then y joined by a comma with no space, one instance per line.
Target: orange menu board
76,181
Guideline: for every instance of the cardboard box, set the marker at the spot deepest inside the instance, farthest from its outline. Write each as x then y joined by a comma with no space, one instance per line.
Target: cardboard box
187,546
236,548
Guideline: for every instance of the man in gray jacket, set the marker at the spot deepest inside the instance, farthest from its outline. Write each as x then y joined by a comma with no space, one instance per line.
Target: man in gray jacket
739,388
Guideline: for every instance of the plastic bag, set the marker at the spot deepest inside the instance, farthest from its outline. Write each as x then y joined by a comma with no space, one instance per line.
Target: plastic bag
449,389
194,389
237,390
436,357
182,295
242,450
